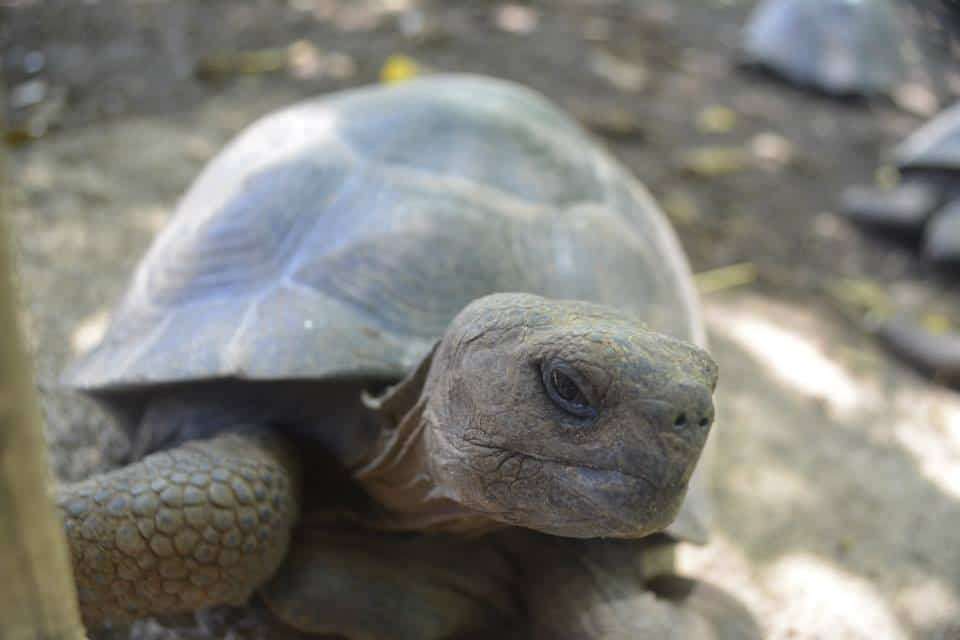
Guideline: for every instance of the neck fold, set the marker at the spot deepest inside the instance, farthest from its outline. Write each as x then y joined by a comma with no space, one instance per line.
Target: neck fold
397,477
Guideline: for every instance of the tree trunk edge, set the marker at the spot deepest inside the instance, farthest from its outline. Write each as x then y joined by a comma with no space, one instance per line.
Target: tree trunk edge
38,599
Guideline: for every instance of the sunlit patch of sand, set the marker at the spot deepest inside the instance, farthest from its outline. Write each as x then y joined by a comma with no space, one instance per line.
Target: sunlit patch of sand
795,358
932,437
930,603
835,602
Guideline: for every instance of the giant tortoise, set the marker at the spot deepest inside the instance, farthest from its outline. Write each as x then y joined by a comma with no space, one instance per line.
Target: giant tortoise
413,362
840,47
924,205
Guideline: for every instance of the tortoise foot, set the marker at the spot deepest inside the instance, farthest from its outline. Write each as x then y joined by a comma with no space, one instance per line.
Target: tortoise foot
199,525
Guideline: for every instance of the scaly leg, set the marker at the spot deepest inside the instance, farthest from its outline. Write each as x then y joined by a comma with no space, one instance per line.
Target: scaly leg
205,523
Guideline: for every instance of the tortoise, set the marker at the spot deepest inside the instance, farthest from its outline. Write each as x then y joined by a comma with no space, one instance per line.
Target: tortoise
414,361
925,202
840,47
924,205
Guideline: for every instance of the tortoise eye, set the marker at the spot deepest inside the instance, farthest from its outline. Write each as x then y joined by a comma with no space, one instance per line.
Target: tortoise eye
567,389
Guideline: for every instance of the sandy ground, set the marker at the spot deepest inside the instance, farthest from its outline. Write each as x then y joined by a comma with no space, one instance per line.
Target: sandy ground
838,483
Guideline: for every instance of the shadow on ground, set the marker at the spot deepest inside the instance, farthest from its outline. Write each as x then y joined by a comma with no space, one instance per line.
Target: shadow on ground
837,486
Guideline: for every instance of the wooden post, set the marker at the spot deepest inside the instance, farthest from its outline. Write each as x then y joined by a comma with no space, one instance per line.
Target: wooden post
38,599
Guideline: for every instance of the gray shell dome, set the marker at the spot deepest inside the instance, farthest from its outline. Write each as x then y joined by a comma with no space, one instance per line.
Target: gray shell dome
338,237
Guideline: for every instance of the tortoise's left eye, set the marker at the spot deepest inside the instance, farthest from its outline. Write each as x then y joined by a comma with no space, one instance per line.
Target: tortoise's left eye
568,389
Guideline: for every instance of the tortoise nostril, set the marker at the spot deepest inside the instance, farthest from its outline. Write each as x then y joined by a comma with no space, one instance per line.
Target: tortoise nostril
681,421
704,422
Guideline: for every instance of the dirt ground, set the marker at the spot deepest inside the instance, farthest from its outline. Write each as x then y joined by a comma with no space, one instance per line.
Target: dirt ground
838,484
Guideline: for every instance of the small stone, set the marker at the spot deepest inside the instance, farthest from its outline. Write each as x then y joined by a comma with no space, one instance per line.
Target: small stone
516,18
621,74
712,162
716,119
916,99
771,149
28,94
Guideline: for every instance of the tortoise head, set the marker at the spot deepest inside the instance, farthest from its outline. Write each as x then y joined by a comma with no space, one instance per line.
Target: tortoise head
565,417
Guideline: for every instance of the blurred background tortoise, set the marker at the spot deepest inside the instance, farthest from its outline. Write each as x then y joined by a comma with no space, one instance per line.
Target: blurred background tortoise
925,202
840,47
922,205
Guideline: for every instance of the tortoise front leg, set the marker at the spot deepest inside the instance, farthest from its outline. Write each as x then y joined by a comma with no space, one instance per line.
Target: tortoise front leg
205,523
624,590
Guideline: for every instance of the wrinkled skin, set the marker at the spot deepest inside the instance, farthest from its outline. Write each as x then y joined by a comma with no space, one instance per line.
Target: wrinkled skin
563,417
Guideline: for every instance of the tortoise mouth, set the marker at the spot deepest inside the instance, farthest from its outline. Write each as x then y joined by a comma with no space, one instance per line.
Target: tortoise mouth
569,498
599,471
601,502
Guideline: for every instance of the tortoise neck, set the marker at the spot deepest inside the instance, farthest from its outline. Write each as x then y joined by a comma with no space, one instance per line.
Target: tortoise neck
397,476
